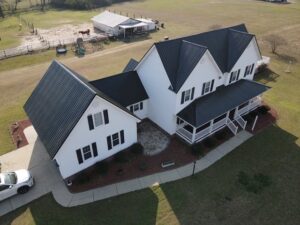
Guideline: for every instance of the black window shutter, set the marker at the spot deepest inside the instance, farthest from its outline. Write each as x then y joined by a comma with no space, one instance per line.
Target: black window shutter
95,150
193,92
106,119
203,88
230,80
141,105
122,136
252,68
131,108
79,156
212,85
246,71
108,139
91,122
182,97
238,74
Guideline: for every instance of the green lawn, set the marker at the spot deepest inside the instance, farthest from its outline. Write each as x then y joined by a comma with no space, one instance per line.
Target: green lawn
274,152
213,196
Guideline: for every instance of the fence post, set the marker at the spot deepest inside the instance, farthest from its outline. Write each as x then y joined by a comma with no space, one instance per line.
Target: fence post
4,53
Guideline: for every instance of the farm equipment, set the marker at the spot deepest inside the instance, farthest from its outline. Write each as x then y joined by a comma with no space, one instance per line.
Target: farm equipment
79,47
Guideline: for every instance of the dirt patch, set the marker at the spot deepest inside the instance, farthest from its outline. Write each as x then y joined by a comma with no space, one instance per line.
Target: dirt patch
64,34
17,132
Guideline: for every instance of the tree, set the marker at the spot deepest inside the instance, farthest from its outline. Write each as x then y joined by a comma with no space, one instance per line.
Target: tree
275,41
1,8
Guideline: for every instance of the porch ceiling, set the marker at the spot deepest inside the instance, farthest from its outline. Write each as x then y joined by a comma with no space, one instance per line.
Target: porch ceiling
219,102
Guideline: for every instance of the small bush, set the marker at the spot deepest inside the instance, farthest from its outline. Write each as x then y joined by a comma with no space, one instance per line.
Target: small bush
102,167
137,148
120,157
263,109
197,150
83,178
220,135
143,166
209,142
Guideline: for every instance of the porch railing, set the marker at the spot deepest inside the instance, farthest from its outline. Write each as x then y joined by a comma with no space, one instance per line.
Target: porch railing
219,124
202,133
186,134
231,126
249,107
241,121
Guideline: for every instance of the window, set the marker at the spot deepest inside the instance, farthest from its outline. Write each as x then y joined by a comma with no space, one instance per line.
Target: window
86,153
234,76
187,95
115,139
98,119
249,70
3,187
206,125
207,87
136,107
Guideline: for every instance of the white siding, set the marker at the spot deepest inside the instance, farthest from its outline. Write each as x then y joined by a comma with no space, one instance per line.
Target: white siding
142,114
206,70
81,136
250,55
162,101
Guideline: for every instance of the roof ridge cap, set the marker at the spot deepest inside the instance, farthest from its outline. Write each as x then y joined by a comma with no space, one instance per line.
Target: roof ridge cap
195,44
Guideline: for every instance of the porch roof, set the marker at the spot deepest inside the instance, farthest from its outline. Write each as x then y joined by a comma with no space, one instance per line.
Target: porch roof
219,102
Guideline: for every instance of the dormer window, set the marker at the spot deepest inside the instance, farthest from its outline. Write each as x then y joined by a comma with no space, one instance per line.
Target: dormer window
187,95
207,87
234,76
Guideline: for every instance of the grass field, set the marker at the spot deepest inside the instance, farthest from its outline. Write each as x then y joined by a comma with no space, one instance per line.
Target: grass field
274,152
211,197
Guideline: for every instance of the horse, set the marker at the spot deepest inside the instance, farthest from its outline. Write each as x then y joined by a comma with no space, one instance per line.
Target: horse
84,32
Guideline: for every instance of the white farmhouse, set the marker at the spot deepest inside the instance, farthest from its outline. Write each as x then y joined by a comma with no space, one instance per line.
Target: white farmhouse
191,87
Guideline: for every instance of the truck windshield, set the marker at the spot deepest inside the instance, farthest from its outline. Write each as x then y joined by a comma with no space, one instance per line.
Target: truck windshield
10,178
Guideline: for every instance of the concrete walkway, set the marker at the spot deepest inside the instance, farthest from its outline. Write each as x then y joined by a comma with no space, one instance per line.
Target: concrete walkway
48,178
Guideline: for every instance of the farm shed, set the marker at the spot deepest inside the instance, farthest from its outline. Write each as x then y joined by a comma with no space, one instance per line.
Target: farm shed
114,24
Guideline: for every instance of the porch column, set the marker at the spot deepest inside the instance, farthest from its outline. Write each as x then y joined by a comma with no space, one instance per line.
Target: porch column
211,126
194,135
236,111
227,116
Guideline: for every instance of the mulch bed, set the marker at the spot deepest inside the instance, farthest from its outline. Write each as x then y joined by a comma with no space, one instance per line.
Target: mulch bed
139,165
17,132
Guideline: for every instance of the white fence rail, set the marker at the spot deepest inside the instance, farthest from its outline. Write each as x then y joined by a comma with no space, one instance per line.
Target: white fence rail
241,121
232,127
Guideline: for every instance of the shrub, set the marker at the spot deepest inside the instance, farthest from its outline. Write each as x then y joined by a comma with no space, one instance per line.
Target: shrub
143,166
209,142
83,178
197,150
263,109
220,135
102,167
137,148
120,157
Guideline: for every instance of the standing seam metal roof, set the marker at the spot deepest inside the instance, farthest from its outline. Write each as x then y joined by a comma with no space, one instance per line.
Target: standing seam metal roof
225,45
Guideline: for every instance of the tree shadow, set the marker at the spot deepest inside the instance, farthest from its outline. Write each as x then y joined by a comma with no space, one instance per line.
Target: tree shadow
286,58
214,195
266,75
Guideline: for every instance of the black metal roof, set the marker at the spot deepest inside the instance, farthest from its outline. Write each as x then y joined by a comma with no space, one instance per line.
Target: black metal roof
225,45
56,105
130,65
222,100
124,88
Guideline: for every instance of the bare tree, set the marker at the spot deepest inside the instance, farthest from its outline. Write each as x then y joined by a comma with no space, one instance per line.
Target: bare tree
1,8
275,41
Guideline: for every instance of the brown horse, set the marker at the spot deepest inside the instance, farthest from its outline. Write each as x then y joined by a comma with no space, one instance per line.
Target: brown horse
84,32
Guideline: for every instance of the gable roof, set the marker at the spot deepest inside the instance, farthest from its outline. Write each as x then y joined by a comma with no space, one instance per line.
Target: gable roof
222,100
125,88
130,65
58,102
56,105
225,45
110,19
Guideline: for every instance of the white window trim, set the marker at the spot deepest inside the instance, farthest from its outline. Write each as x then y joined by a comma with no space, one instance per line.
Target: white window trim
101,119
207,86
89,152
187,95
